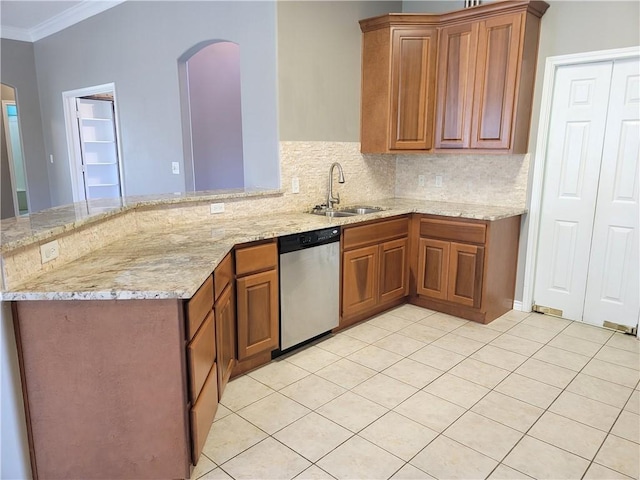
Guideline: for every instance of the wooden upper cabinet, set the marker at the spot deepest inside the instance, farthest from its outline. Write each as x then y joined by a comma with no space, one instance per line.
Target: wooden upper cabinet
413,60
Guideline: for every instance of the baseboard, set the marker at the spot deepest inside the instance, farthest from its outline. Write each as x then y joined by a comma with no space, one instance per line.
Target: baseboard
517,305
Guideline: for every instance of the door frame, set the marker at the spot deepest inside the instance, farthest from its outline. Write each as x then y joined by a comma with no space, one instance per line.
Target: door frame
551,66
73,135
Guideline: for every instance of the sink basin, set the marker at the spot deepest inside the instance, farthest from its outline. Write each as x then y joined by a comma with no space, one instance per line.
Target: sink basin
333,213
346,212
358,210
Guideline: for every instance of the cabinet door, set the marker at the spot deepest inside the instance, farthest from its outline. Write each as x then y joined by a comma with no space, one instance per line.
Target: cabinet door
413,63
465,274
257,313
495,84
359,280
225,315
393,270
456,68
433,268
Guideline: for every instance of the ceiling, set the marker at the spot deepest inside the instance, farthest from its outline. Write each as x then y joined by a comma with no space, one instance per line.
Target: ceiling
31,20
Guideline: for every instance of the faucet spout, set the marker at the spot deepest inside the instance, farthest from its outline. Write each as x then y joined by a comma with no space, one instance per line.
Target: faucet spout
330,198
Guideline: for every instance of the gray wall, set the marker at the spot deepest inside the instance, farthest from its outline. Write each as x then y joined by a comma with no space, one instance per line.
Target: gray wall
18,69
137,45
319,52
431,6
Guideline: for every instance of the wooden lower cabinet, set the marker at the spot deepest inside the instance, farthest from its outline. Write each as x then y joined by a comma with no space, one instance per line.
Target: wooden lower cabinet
360,280
393,270
225,318
466,268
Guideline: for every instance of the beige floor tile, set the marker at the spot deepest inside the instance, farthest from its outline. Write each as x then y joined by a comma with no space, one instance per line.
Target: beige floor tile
313,358
483,435
562,358
204,466
352,411
358,458
612,372
422,333
400,344
620,455
517,344
221,412
411,312
456,343
346,373
215,474
366,332
588,332
600,390
385,390
598,472
476,331
619,357
624,342
278,374
445,458
546,372
390,322
575,345
517,315
243,391
628,427
375,358
457,390
437,357
230,436
268,459
530,332
502,324
509,411
314,473
574,437
313,436
633,405
528,390
499,357
313,391
479,372
413,373
399,435
541,460
547,322
273,412
341,344
409,472
430,411
502,472
585,410
442,321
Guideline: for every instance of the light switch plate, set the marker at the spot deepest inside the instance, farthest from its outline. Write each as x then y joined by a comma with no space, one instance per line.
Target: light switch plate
421,180
175,168
49,251
217,208
438,180
295,185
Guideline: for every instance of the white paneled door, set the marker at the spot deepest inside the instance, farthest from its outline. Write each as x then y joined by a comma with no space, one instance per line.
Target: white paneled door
587,264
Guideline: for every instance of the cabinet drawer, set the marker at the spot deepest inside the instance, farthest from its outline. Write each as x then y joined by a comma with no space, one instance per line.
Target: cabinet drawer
453,230
201,353
203,412
222,275
199,307
374,232
256,258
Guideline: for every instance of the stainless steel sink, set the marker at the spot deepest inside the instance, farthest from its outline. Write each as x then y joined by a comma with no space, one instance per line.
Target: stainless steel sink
358,210
332,213
346,212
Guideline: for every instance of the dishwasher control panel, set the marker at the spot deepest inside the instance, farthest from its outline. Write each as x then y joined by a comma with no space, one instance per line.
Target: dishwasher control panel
298,241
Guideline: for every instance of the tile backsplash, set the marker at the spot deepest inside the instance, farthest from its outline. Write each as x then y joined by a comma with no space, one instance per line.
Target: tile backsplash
477,179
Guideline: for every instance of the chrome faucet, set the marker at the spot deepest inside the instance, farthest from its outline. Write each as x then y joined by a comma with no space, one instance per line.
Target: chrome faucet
330,198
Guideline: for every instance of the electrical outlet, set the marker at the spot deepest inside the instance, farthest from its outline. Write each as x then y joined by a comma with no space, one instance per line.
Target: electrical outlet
217,208
438,180
295,185
175,168
49,251
421,180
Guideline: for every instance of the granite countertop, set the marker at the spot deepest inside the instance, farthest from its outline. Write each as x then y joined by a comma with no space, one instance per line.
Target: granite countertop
155,264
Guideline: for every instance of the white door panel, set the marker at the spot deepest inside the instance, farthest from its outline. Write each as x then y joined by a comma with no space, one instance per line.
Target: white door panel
613,286
570,189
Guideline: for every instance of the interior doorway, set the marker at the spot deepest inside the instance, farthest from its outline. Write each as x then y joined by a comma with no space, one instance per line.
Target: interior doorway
585,198
93,143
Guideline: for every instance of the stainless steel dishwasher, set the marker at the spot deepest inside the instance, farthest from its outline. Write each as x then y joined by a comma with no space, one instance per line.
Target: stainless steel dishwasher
309,285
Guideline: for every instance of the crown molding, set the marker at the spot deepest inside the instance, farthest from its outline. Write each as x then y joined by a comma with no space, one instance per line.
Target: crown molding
75,14
14,33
